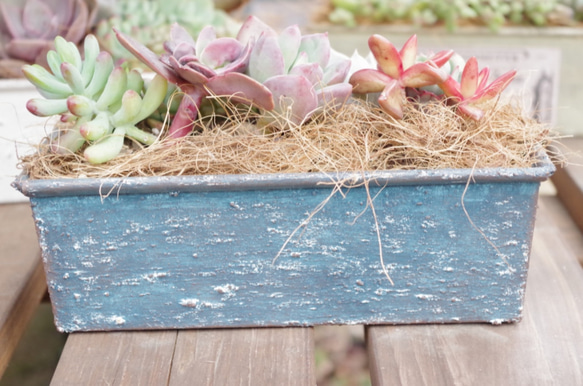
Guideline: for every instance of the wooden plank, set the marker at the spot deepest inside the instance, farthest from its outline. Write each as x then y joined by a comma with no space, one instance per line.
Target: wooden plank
22,279
545,348
568,179
116,358
264,356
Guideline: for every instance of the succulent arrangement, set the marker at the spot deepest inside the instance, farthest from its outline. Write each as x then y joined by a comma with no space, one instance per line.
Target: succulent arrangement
28,28
286,78
492,13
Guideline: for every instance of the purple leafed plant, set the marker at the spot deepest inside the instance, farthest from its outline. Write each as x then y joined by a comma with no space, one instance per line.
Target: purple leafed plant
290,74
29,27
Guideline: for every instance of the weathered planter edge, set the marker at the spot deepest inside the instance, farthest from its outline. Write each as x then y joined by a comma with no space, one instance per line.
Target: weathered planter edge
240,182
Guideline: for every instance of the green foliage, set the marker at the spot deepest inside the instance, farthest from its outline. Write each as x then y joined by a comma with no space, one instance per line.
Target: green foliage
452,13
149,22
101,103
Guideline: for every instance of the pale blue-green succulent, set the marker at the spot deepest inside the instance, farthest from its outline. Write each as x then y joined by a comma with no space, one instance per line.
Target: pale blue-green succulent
492,13
102,103
150,22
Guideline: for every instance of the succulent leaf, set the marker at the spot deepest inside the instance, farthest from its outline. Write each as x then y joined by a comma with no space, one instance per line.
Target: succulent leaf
387,56
469,82
68,140
103,67
96,128
242,89
289,42
421,75
153,98
91,51
107,148
44,80
334,96
73,77
408,52
68,52
114,88
261,68
46,107
140,135
369,81
80,106
131,103
391,99
317,47
294,97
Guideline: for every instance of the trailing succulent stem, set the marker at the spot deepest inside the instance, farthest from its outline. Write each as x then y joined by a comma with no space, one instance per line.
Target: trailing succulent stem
102,103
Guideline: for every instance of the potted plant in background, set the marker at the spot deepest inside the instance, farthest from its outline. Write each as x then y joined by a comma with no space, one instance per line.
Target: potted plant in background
271,195
27,31
150,22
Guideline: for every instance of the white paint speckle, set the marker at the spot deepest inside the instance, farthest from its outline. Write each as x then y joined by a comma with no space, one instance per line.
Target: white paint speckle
226,289
189,302
425,296
119,320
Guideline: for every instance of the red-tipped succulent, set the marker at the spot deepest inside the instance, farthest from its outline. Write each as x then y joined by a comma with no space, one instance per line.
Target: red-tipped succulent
473,88
398,70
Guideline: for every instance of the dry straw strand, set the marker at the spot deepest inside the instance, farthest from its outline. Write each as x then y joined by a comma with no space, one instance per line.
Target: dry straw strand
356,137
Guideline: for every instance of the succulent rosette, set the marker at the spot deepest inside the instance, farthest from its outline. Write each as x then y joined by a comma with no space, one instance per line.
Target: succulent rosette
473,89
398,70
303,73
28,28
288,73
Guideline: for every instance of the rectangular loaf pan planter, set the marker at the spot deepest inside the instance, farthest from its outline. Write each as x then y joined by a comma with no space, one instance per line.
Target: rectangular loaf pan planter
198,251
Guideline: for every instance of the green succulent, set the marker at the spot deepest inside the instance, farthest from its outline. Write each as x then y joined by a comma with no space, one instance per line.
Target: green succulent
492,13
149,21
102,103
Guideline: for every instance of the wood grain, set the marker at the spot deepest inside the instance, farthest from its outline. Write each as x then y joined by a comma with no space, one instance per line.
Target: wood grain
128,358
546,348
568,181
22,279
267,356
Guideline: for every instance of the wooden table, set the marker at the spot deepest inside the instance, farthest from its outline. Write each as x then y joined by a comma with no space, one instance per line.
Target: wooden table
546,348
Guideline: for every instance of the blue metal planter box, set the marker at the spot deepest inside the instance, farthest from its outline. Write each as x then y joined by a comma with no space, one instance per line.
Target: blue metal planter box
198,251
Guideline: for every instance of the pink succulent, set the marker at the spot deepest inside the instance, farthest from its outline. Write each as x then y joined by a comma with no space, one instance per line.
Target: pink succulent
396,71
473,89
302,72
28,28
209,64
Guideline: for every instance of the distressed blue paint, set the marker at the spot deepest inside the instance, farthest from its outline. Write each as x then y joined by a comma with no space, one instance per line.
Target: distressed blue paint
202,257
